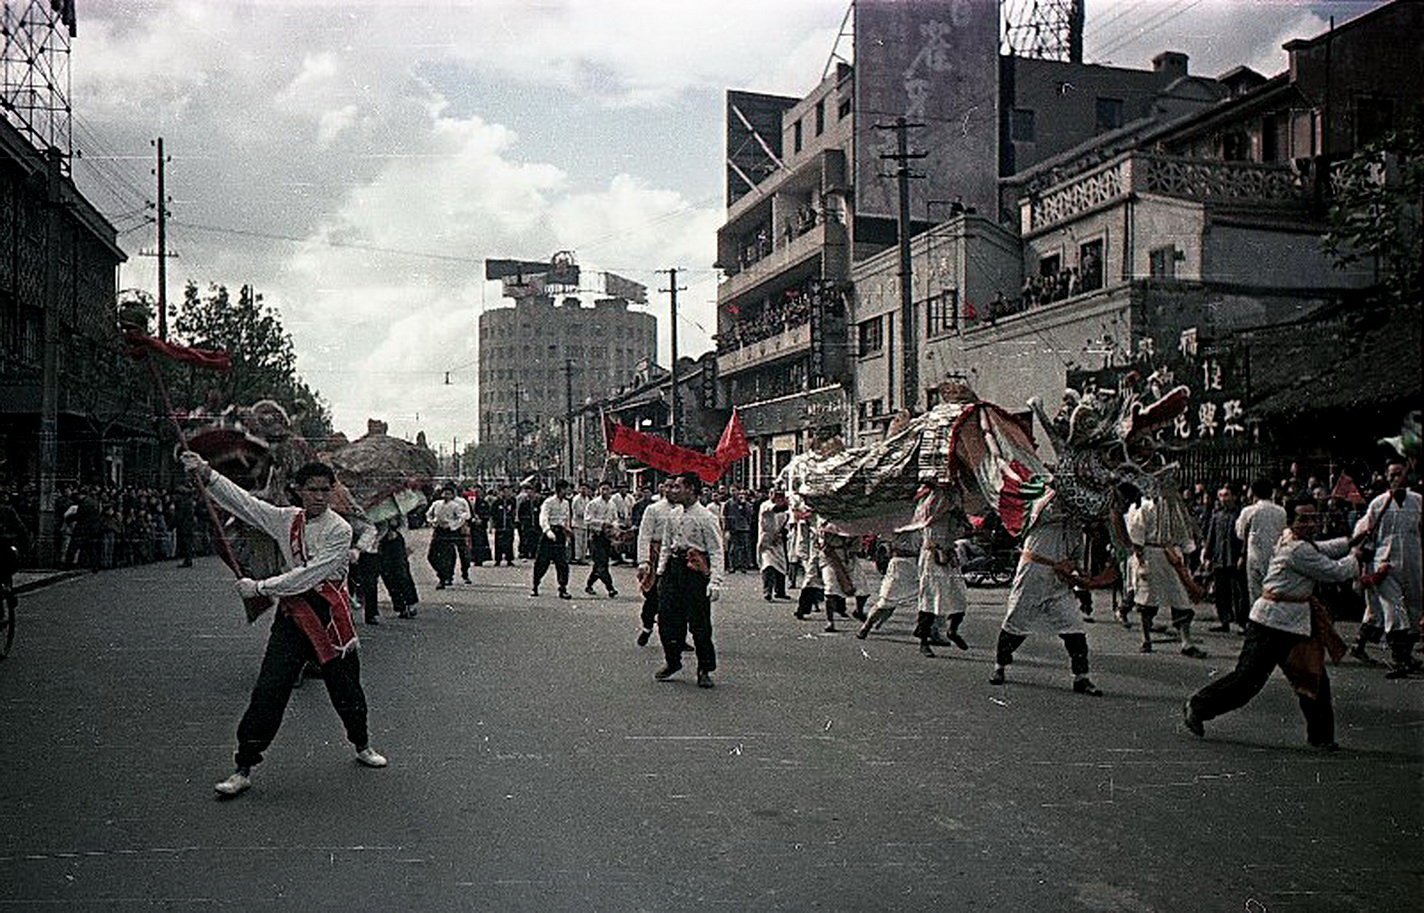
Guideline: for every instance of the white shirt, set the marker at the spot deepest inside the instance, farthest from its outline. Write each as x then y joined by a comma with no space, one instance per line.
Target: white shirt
1260,526
554,512
599,512
451,514
325,538
623,504
693,526
580,503
652,529
1295,567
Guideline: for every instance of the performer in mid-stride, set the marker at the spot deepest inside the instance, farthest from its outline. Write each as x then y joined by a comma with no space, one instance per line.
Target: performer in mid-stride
312,621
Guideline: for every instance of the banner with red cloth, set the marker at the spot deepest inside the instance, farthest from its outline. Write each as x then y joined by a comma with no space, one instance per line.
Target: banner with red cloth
140,344
660,454
1346,490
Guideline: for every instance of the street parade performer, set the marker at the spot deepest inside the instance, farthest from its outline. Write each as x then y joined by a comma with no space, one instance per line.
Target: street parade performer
1287,628
313,617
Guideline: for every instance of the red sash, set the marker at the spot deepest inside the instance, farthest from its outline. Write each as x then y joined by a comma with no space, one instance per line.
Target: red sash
334,637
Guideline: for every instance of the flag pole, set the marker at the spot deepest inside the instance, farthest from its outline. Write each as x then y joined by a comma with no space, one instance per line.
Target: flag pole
255,605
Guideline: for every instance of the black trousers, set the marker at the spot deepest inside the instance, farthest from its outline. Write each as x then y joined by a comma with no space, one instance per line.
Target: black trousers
773,583
1229,593
479,543
649,613
365,579
395,573
599,548
555,551
682,606
504,546
445,545
740,550
528,540
287,650
1263,650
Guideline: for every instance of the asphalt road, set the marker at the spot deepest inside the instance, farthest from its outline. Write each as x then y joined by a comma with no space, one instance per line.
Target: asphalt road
536,765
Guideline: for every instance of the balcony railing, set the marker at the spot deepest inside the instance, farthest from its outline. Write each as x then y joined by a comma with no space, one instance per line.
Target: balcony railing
1139,172
790,341
789,253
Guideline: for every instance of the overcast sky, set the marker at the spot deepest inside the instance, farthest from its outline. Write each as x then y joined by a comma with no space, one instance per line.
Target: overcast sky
358,160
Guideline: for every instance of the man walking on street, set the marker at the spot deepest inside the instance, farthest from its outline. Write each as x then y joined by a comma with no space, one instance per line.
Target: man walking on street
312,621
601,519
1391,525
651,532
690,579
554,517
447,517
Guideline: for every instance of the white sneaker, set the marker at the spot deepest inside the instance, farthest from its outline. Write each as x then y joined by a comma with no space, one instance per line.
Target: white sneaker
233,785
371,757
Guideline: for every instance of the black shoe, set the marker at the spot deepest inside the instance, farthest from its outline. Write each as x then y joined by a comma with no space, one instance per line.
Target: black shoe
1086,686
644,636
1358,652
1192,721
925,648
1397,672
588,589
831,628
863,632
534,593
858,614
612,594
373,620
1325,746
564,594
704,679
802,616
465,579
997,678
186,564
667,672
766,596
938,641
957,641
412,612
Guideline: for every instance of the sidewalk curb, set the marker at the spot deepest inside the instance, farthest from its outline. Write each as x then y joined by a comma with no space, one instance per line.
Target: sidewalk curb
41,583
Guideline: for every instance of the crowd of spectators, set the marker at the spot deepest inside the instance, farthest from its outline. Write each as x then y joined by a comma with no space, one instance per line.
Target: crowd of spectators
766,323
1038,290
101,526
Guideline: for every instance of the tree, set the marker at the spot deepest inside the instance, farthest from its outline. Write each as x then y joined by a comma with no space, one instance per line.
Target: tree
264,363
1377,196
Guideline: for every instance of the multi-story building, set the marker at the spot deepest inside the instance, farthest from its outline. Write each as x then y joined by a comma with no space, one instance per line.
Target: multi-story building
1183,245
539,359
63,270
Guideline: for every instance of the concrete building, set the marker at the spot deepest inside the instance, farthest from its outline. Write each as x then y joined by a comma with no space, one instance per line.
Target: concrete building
537,357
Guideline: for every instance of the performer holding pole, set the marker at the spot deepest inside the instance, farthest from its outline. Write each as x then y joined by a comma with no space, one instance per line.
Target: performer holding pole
313,618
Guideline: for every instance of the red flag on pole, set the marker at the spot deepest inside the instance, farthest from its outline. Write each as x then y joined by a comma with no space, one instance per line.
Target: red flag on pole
1346,490
140,344
733,446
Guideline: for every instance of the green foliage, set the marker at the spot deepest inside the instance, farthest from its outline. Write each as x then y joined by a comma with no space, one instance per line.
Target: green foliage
1377,195
264,364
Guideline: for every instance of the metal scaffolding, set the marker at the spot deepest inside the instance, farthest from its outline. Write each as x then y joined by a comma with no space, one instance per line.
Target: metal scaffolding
34,72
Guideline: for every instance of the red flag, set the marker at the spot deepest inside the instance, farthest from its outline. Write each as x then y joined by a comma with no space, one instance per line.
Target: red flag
1346,491
733,446
970,311
660,454
140,344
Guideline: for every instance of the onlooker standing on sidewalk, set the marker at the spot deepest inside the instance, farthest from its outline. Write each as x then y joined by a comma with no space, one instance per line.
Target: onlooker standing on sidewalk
184,524
1226,561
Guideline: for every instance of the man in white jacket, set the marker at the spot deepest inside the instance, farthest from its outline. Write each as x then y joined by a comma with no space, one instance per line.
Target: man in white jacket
312,622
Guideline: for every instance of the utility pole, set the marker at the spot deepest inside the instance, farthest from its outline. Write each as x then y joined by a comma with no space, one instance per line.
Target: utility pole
162,248
672,290
49,393
910,373
518,437
569,412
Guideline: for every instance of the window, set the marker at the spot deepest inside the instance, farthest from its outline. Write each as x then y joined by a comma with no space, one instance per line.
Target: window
843,109
1021,125
1374,117
1109,114
943,312
796,137
1090,265
1162,262
1048,266
820,117
872,336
